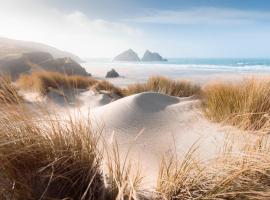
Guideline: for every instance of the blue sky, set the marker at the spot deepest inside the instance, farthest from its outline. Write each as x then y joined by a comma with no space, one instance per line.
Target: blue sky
175,28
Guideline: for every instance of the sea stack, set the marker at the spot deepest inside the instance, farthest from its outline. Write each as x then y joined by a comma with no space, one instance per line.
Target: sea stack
128,55
112,74
149,56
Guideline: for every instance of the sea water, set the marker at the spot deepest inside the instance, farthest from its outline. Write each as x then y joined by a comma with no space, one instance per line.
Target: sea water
196,69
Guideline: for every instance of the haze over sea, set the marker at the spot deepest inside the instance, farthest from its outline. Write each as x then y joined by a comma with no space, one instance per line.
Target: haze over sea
200,70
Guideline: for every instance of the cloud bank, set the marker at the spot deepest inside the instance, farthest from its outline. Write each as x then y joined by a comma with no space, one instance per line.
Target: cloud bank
203,15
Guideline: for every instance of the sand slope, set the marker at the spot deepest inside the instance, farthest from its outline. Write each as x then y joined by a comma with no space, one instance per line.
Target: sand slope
148,125
152,124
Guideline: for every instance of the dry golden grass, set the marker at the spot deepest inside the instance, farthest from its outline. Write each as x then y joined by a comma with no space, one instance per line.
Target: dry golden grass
135,89
48,157
122,175
231,175
43,82
245,104
49,160
165,86
8,93
107,86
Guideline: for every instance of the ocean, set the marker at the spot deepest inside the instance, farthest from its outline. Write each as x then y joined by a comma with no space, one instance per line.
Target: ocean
196,69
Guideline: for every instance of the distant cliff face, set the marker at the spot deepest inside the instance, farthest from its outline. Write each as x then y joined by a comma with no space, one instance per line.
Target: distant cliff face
16,65
128,55
149,56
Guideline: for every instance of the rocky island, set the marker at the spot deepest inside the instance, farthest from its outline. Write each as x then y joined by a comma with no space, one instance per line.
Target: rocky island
112,74
128,55
152,56
132,56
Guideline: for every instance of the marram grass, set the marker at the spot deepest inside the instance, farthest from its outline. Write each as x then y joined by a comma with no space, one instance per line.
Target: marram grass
245,104
46,157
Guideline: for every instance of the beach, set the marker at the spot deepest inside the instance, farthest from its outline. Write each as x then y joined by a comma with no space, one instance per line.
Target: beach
197,70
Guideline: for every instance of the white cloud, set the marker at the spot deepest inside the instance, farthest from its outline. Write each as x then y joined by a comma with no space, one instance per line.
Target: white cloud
73,31
203,15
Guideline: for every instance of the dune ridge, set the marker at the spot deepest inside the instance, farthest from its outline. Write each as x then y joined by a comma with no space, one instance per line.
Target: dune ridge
150,124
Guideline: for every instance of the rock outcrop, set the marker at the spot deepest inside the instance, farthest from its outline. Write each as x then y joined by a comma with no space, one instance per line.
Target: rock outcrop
112,74
16,65
152,56
128,55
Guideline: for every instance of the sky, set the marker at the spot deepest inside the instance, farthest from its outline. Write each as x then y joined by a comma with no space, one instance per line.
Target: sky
174,28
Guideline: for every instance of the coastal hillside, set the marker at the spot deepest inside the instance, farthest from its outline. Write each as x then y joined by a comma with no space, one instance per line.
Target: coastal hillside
15,65
14,47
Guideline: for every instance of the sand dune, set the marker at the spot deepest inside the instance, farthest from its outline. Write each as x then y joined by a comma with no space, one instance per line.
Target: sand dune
151,112
153,116
151,124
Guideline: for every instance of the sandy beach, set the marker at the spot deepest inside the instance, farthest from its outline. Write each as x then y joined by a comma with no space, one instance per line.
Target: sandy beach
134,100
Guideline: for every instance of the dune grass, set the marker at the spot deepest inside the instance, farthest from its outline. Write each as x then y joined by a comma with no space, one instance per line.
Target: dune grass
165,86
45,156
43,82
48,157
231,175
107,86
124,177
245,104
48,160
8,92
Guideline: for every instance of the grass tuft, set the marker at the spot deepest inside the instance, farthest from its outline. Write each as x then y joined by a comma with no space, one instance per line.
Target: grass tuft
124,178
165,86
107,86
245,104
8,92
48,160
48,157
231,175
44,82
